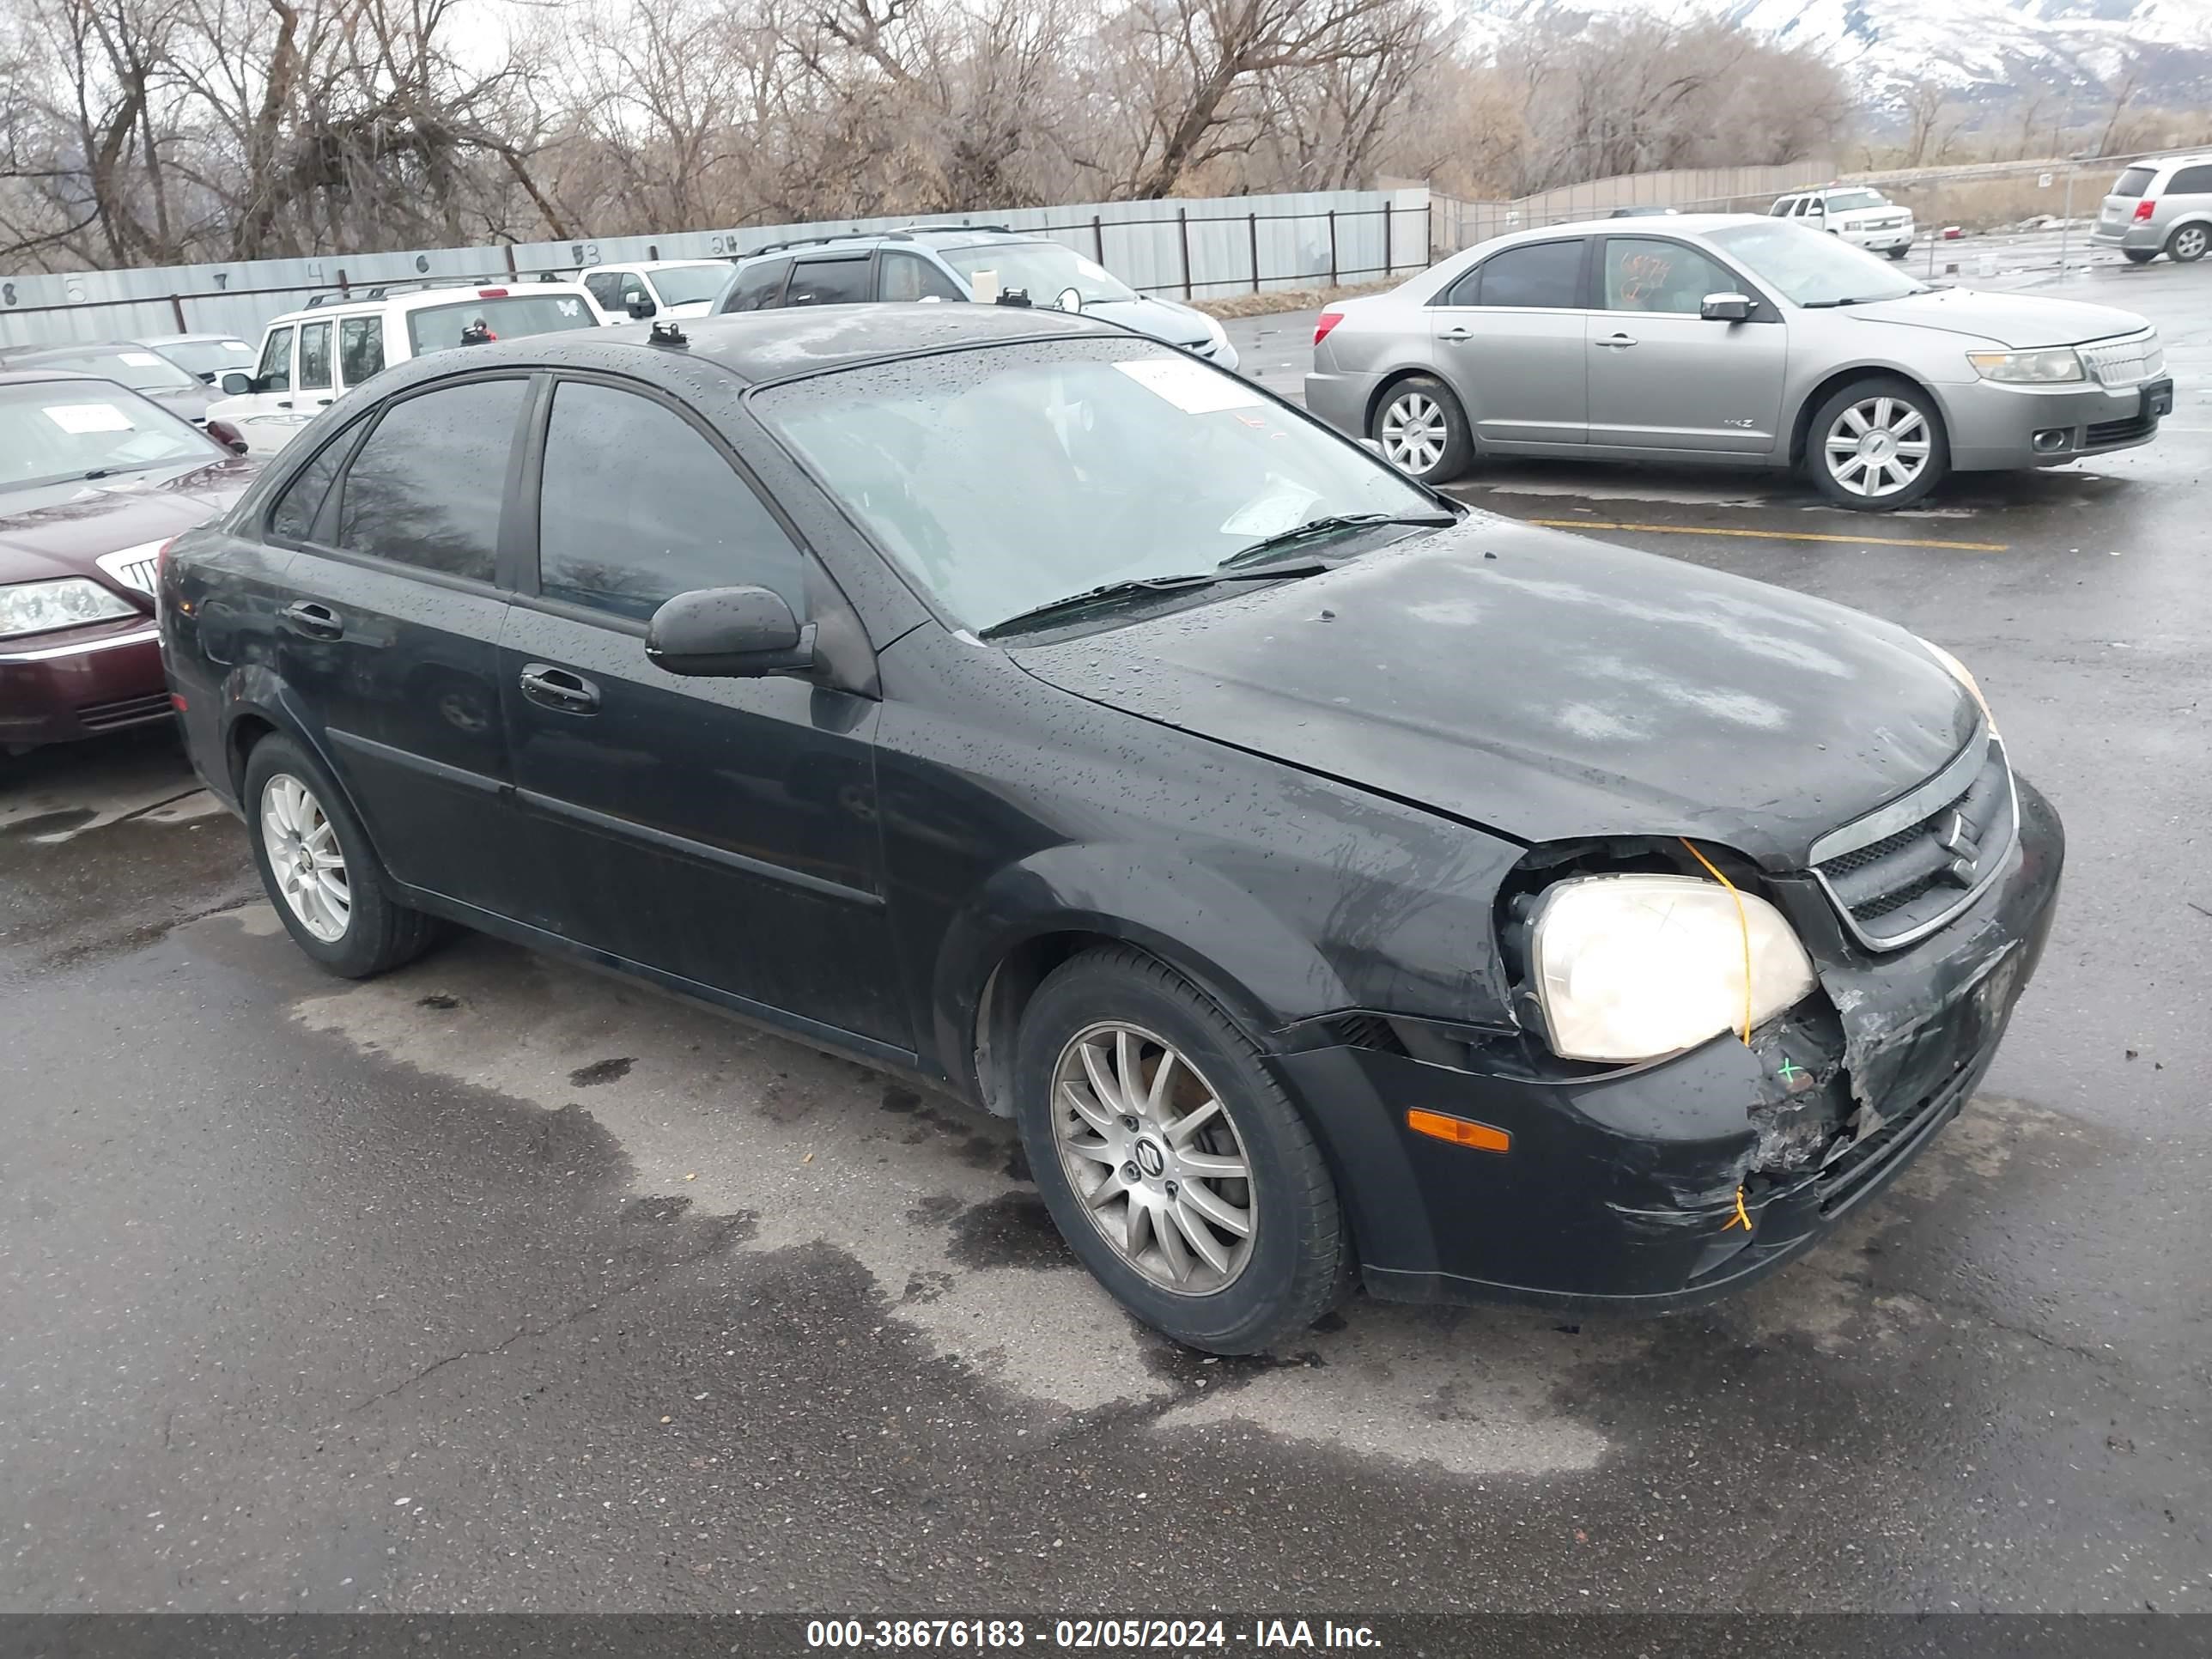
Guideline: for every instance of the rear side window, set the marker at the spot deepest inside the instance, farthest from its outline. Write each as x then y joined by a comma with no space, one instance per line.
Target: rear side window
1783,208
360,348
315,357
2135,181
637,507
1546,274
300,503
504,317
2191,181
828,282
274,370
760,288
425,490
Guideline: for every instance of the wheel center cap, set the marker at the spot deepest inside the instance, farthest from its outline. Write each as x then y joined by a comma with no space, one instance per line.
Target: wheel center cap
1876,446
1150,1159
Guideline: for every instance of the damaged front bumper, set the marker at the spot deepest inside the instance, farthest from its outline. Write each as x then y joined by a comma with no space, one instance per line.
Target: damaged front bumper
1662,1185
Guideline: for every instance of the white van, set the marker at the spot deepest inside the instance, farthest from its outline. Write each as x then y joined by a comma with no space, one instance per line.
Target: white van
311,356
1862,216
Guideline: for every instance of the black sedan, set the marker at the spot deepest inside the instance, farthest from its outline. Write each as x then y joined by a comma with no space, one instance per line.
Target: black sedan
1338,886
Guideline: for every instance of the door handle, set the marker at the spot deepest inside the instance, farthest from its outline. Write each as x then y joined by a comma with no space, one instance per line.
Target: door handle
1457,334
559,688
316,621
283,403
322,403
1618,341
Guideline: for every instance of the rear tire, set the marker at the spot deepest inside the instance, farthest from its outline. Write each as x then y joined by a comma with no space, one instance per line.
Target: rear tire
1214,1219
2188,244
2140,255
1422,430
1870,476
319,870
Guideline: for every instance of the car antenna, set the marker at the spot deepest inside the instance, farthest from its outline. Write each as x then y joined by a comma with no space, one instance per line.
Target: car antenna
667,334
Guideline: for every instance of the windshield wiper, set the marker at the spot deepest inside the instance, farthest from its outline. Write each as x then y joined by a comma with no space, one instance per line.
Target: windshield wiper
1092,598
1334,524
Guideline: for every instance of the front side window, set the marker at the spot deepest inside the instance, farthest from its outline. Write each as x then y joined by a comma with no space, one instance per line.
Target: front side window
275,373
828,282
908,276
1783,208
315,357
497,317
606,288
1811,268
760,288
52,430
1543,273
425,488
1004,478
360,348
637,507
1645,274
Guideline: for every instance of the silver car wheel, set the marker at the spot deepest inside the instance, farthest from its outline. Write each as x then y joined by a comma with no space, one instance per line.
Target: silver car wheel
304,854
2189,242
1154,1158
1878,447
1414,433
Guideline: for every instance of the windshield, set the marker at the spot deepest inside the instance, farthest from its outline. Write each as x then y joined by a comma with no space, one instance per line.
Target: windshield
1004,478
210,356
434,328
1810,267
56,429
683,285
142,371
1044,271
1841,201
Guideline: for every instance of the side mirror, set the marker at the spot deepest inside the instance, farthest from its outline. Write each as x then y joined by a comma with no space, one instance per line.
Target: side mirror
235,384
1071,300
640,308
1726,308
740,633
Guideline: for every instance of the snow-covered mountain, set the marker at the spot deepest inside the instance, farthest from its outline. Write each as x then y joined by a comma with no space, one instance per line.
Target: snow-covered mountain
1991,49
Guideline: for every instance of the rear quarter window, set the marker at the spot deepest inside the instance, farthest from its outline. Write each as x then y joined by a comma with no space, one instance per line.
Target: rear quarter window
2134,182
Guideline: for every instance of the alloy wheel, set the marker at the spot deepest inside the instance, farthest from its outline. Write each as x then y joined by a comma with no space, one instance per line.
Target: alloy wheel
1154,1158
1414,433
304,855
1878,447
2190,242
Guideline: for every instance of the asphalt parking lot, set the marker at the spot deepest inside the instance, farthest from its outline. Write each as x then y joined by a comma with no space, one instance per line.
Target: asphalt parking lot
495,1284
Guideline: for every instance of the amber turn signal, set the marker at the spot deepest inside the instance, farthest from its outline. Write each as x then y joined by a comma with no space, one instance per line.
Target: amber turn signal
1460,1131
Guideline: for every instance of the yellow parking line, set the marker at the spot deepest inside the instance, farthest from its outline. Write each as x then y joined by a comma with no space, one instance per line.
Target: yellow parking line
1769,535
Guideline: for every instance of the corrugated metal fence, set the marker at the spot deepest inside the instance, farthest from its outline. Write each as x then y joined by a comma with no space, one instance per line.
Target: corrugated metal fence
1199,249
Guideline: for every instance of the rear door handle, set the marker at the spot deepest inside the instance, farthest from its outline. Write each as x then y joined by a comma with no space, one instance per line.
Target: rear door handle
316,621
1457,334
283,403
1619,341
559,688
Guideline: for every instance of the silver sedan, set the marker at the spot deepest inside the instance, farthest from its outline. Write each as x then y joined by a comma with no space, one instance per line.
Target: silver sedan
1735,339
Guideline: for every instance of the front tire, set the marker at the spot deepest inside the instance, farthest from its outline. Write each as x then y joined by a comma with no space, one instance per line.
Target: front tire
1172,1162
318,868
1898,252
2188,244
1422,430
1876,445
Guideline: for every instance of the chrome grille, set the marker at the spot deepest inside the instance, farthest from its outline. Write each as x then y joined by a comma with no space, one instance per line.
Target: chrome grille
134,567
2127,361
1898,874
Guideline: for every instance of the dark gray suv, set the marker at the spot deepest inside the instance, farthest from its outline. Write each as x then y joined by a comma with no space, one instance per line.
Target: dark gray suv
950,263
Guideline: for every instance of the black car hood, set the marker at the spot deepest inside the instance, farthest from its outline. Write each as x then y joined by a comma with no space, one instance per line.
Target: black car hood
1549,687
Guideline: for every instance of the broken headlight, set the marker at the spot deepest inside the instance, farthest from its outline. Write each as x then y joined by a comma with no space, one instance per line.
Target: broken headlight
1632,967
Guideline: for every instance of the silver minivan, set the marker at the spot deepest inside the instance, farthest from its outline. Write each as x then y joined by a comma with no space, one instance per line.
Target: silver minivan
2161,205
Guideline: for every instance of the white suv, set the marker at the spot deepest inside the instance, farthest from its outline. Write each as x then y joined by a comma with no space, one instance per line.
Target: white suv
657,288
1863,217
313,355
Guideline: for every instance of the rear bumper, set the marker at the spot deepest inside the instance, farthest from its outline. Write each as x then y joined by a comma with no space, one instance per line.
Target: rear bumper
2139,234
1621,1190
81,683
1993,426
1340,399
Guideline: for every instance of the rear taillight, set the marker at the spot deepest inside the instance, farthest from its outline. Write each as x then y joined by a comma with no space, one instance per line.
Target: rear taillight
1326,321
2144,209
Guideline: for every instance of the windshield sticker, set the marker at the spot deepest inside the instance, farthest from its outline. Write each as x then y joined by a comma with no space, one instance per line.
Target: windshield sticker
1192,387
89,417
1285,508
140,359
568,307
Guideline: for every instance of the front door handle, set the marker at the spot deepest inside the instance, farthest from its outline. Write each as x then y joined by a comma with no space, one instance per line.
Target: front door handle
283,403
559,688
316,621
322,403
1619,341
1457,334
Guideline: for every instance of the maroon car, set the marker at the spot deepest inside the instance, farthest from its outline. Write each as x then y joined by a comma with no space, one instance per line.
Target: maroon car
94,480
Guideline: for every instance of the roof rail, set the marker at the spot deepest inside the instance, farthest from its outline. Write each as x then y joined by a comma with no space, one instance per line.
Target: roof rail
1003,230
831,236
411,285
